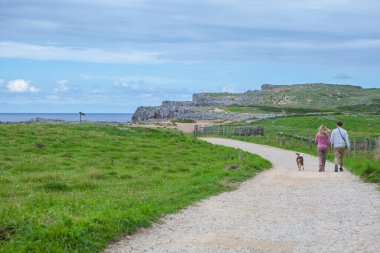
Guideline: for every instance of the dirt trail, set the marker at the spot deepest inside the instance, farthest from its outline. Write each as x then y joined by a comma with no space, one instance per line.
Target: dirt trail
280,210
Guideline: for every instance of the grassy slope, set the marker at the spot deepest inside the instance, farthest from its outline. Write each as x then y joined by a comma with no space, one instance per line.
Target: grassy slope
272,109
358,127
314,98
87,184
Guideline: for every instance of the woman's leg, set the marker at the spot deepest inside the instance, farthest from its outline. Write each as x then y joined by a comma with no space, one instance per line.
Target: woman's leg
320,158
324,158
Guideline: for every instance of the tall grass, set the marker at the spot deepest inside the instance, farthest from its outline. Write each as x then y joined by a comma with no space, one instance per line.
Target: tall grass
73,188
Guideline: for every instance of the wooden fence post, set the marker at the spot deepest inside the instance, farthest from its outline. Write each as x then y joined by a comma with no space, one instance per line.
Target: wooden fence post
377,156
277,139
310,144
283,140
354,147
366,145
267,138
370,145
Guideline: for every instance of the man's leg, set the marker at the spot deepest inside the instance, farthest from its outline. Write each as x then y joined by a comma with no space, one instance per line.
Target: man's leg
336,158
341,151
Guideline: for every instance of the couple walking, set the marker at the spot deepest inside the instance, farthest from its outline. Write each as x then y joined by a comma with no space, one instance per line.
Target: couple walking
338,141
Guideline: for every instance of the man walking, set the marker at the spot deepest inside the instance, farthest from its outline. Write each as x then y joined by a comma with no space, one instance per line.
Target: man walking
339,141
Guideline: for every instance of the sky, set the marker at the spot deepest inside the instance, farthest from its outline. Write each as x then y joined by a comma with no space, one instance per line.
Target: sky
115,55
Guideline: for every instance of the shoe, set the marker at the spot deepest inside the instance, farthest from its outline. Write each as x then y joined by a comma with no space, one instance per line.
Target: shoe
320,169
341,169
336,168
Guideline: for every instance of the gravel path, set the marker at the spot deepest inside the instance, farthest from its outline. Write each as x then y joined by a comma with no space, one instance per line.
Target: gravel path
280,210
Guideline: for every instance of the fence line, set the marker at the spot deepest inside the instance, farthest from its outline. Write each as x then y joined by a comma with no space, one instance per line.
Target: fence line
229,130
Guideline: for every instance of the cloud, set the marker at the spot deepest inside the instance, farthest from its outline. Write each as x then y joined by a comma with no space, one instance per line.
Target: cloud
42,52
86,76
20,85
52,97
62,86
274,31
140,82
97,91
135,86
343,76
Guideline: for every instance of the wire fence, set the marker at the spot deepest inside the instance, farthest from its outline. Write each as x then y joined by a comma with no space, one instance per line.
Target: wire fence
229,130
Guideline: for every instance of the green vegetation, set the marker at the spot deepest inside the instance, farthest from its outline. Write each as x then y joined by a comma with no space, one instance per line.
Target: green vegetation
223,94
270,109
183,121
73,188
362,164
373,107
307,98
307,126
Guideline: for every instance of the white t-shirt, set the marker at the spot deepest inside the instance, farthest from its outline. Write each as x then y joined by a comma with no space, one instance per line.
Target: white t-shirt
336,138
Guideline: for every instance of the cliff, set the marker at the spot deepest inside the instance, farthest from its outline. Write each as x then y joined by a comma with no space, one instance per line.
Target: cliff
271,99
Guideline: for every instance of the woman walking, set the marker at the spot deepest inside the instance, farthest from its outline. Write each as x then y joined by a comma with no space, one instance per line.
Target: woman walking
323,143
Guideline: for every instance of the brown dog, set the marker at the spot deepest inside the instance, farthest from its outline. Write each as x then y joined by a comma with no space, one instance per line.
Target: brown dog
299,161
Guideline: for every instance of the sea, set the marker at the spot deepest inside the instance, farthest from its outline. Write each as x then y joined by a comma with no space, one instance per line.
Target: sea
92,117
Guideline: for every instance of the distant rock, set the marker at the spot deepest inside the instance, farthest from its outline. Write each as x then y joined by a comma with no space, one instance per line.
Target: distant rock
44,121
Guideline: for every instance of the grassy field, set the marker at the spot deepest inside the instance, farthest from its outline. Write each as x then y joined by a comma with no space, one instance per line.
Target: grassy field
358,128
74,188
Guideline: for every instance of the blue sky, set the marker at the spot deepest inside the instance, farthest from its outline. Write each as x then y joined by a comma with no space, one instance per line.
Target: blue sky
115,55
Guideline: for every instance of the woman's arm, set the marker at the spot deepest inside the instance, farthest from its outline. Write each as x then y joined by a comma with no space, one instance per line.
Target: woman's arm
328,141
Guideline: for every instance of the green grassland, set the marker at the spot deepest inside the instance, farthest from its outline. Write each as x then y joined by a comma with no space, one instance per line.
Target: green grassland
273,109
358,127
74,188
309,98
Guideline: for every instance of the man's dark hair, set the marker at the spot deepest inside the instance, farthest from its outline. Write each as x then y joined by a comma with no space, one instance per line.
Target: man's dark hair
339,123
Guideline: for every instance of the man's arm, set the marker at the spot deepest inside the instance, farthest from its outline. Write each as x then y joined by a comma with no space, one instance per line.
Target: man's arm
348,140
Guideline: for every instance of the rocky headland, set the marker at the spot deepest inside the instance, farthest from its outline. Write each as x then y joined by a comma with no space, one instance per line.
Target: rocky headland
270,101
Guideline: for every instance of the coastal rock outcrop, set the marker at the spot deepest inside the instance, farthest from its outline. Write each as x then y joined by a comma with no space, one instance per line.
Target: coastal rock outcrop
202,107
270,100
165,112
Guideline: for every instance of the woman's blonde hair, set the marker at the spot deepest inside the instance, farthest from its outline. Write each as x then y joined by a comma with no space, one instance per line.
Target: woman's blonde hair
322,130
